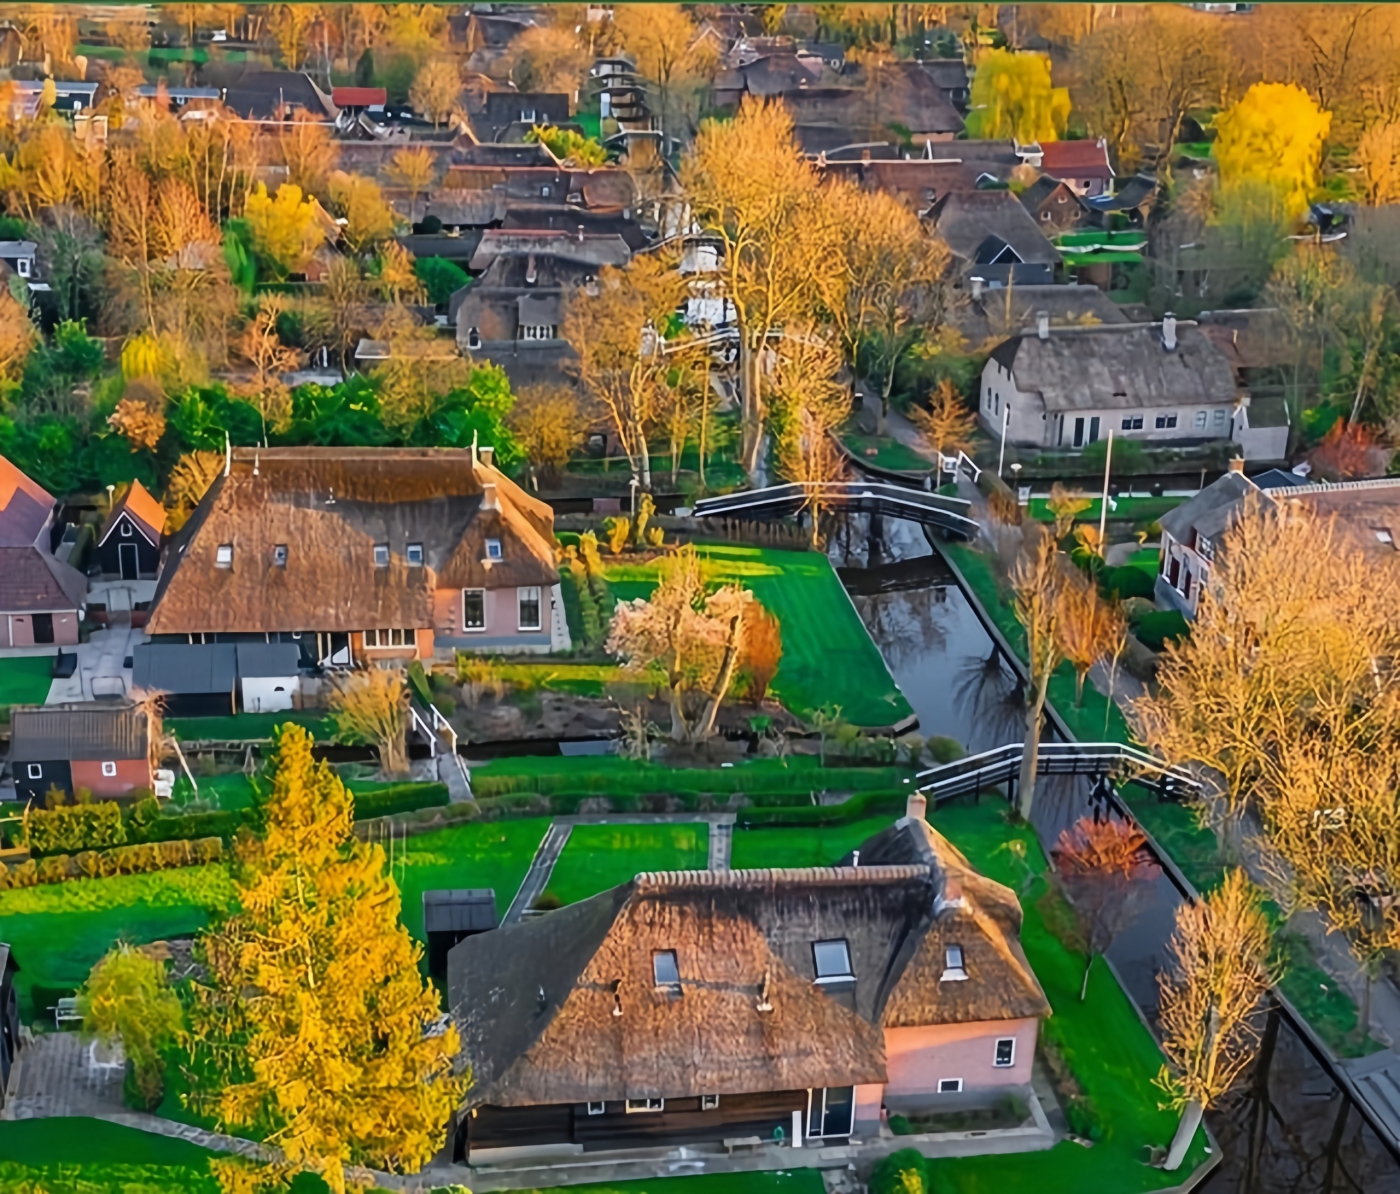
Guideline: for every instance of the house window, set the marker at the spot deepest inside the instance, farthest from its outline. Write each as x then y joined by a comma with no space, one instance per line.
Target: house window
22,267
382,639
1220,418
544,191
1005,1055
109,770
1045,215
831,1111
637,1105
1132,423
493,549
953,969
597,1108
473,338
832,960
126,529
709,1102
1201,417
1165,421
950,1086
1383,535
223,555
381,555
473,609
35,771
527,114
537,331
665,970
279,555
529,600
414,555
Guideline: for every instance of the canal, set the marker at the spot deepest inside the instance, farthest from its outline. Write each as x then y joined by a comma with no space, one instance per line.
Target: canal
1289,1129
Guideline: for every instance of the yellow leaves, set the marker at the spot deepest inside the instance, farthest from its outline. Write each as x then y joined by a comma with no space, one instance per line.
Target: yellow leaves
286,228
17,336
1012,97
436,90
140,415
946,426
368,218
371,707
1273,136
1378,155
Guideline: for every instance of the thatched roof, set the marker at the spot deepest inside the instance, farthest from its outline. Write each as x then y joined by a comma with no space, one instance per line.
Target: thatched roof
329,507
566,1008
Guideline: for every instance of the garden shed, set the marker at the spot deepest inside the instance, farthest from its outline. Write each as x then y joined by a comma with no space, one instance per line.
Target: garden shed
453,916
197,678
268,675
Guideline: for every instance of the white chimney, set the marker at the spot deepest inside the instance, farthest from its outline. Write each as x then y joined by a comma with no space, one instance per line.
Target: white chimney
487,455
1042,324
1169,332
488,497
977,284
917,807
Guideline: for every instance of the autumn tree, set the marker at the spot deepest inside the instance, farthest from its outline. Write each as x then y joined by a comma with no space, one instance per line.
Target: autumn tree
436,90
127,999
370,708
129,32
1013,98
1066,505
18,337
140,414
1210,994
809,406
1091,628
1102,866
262,347
304,145
946,425
1039,583
662,40
369,220
412,168
342,1058
547,58
626,362
290,25
689,632
570,147
1274,136
286,227
1349,452
549,422
1378,156
190,480
752,188
763,650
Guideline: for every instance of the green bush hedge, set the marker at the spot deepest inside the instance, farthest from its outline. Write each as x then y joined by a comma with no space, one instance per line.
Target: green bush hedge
1155,629
864,804
401,798
119,860
69,827
646,778
222,823
1127,581
902,1172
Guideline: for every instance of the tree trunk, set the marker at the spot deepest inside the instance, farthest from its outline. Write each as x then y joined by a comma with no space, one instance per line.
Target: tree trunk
1185,1133
750,371
1030,755
883,418
680,731
1259,1118
706,726
1084,983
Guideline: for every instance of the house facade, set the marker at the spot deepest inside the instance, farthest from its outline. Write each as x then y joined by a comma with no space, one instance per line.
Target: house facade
1065,387
776,1006
41,598
102,747
1083,166
364,556
132,536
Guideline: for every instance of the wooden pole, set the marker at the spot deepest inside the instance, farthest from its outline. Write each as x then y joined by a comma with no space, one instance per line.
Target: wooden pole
1103,505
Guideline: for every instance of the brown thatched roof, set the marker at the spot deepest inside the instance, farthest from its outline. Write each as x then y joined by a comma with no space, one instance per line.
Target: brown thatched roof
329,507
538,1003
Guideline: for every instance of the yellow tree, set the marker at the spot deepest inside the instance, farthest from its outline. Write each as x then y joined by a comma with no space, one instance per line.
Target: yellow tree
1090,628
436,90
127,999
809,407
752,188
662,40
289,25
369,221
547,58
946,425
549,422
691,634
17,337
324,1036
1039,585
412,168
1066,505
1378,155
1013,97
1219,971
370,708
286,228
1273,135
262,347
305,146
190,480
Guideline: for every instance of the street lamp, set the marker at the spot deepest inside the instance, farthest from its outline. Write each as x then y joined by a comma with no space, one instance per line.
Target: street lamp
634,483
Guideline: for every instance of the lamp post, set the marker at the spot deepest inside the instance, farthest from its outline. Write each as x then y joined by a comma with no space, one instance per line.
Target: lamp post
1016,479
634,483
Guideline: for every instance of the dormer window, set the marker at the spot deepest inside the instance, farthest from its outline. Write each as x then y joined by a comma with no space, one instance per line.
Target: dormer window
666,971
22,267
832,961
414,555
223,555
279,555
953,968
381,555
493,549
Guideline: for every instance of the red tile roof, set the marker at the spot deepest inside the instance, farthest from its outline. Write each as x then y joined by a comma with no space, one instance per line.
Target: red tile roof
1082,159
359,97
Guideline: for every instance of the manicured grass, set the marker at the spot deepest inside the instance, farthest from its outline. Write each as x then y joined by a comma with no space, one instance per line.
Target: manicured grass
889,453
1121,509
93,1141
232,791
25,681
817,845
493,854
598,857
245,726
828,657
781,1181
1146,558
58,931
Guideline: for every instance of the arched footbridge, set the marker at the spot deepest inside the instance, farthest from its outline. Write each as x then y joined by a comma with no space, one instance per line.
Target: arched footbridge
948,514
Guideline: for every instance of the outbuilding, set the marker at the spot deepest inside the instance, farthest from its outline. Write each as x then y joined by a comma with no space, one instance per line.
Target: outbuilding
131,539
268,675
101,746
198,679
453,916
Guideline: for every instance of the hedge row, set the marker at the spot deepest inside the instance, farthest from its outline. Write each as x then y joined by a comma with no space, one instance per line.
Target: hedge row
864,804
119,860
646,778
401,798
103,824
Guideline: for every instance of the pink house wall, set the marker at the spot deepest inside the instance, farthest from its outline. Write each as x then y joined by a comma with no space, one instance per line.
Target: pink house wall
501,607
917,1058
16,630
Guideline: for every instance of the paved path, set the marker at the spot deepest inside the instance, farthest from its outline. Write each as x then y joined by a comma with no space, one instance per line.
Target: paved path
721,844
541,867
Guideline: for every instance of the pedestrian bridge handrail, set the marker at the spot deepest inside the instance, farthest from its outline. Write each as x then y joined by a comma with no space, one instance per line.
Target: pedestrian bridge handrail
867,497
1001,765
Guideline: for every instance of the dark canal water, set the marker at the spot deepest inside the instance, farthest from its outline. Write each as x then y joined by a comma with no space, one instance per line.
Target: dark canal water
1282,1132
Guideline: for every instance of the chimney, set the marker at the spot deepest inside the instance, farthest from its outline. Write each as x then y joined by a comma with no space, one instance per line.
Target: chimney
487,455
977,284
916,807
488,497
1237,464
580,234
1169,332
1042,324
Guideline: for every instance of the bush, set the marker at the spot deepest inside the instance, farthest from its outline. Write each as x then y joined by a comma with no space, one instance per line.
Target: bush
400,798
1126,581
222,823
945,750
1083,1117
1155,629
119,860
902,1172
73,827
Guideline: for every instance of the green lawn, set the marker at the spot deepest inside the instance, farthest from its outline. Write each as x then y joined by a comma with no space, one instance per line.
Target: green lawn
781,1181
1146,558
25,681
828,657
582,679
1123,509
889,453
92,1155
493,854
820,845
598,857
245,726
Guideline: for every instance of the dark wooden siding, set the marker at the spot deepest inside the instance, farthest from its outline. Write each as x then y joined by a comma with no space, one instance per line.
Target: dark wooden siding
109,554
681,1122
57,773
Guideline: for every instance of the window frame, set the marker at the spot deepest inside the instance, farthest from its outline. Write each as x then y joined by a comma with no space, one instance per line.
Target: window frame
596,1108
34,771
848,975
950,1086
1202,420
659,958
381,555
467,627
954,964
494,550
997,1063
630,1106
109,769
709,1102
414,550
126,529
522,599
223,555
384,638
279,555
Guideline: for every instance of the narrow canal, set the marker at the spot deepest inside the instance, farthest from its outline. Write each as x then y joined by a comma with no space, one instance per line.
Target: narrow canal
1286,1133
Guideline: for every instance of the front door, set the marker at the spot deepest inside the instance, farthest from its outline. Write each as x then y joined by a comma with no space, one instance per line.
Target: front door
831,1111
130,564
43,628
1079,433
1094,430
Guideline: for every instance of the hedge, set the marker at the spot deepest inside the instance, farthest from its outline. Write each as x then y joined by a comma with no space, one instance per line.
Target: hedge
1155,629
1127,581
400,798
646,778
101,824
864,804
119,860
902,1172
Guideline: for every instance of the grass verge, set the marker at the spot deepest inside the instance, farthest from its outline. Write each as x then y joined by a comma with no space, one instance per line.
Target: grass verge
598,857
245,726
25,681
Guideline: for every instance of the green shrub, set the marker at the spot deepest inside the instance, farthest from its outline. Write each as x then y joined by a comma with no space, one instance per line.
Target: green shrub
900,1125
1083,1117
222,823
400,798
73,827
1126,581
547,901
1155,629
902,1172
863,805
945,750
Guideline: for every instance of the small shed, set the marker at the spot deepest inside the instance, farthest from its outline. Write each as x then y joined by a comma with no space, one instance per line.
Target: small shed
452,916
130,542
197,678
9,1017
102,746
267,675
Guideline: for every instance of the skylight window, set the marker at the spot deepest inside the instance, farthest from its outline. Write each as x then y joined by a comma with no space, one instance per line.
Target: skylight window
832,960
279,555
381,555
415,555
223,555
953,968
665,969
493,549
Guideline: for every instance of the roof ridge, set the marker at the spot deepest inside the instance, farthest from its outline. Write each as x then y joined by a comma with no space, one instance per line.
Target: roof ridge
769,876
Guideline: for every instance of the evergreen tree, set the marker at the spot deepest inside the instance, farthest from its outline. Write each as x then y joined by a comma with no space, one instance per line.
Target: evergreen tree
321,1033
364,69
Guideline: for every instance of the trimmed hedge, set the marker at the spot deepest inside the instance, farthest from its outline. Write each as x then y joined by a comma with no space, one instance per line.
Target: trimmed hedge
1155,629
220,822
401,798
646,778
863,805
1127,581
94,826
119,860
902,1172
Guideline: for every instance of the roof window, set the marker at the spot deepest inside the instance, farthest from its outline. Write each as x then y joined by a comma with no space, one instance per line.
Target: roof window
665,970
953,969
415,555
493,549
832,960
279,555
381,555
223,555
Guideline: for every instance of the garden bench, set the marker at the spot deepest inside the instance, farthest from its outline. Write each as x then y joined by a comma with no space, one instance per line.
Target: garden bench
733,1142
65,1012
